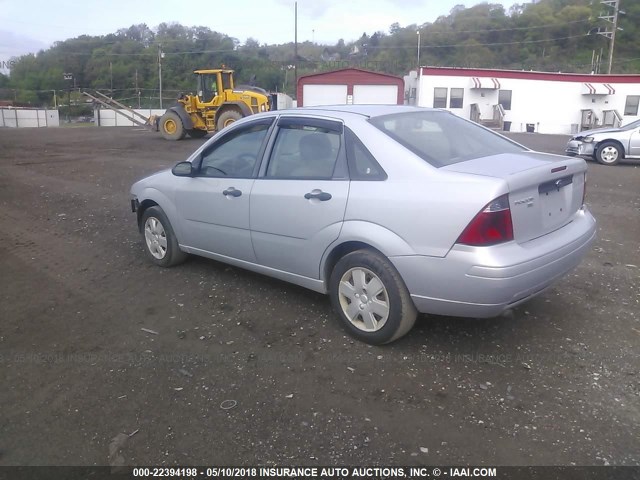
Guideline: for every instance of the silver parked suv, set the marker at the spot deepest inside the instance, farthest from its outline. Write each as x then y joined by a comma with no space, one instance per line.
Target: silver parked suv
390,210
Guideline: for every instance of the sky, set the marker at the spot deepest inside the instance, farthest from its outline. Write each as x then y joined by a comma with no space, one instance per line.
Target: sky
31,26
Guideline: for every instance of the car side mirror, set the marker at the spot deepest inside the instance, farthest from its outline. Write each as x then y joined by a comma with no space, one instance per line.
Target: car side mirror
183,169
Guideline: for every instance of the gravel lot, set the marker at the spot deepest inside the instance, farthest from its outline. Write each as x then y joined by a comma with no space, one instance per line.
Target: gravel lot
236,368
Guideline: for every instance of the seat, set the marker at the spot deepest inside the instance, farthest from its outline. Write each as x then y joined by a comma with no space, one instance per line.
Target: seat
316,156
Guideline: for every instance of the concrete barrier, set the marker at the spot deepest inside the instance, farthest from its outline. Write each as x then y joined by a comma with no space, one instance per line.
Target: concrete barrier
28,118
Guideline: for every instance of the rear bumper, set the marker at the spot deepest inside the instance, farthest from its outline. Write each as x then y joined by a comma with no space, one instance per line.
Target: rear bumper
484,282
580,149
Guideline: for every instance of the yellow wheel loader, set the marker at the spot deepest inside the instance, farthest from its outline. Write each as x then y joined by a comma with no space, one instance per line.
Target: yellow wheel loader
217,104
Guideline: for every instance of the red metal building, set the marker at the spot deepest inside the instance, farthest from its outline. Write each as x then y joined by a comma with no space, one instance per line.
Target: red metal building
350,86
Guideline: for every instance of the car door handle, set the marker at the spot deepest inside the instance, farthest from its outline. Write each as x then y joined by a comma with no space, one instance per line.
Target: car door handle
318,194
232,192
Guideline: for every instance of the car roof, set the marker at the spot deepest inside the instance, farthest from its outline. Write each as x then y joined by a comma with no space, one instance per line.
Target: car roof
343,111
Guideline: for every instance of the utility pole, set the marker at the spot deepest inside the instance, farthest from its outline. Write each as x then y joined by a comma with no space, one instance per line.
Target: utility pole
160,55
611,18
67,77
418,32
295,51
111,78
137,90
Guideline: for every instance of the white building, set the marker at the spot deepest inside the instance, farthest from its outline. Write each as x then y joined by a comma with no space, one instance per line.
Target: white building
522,101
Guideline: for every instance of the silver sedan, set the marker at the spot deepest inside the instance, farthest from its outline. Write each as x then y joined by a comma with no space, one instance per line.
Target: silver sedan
389,210
607,145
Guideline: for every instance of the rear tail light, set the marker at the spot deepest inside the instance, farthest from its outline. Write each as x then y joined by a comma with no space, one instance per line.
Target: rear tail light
491,226
584,188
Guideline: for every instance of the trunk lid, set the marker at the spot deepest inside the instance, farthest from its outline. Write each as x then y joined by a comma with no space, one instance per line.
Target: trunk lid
545,191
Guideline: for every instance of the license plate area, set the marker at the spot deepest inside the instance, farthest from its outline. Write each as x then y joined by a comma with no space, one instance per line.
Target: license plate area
555,200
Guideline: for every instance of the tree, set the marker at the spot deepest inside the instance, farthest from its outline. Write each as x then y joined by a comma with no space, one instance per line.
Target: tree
546,35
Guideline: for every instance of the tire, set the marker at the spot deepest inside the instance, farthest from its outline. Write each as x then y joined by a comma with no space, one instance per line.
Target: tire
160,242
171,126
196,133
226,118
609,153
387,312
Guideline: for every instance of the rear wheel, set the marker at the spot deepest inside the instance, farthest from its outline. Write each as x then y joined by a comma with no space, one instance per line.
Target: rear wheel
196,133
171,126
609,153
370,298
227,117
161,244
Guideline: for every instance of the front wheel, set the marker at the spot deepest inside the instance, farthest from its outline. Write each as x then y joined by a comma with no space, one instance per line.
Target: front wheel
370,298
226,118
609,153
161,244
171,126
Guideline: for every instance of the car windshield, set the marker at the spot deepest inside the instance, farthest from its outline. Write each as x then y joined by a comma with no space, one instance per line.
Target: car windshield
442,138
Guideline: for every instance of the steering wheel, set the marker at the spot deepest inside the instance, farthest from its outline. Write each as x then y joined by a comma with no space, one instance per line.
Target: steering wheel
218,169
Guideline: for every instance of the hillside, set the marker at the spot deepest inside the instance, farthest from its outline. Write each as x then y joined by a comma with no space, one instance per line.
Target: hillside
551,35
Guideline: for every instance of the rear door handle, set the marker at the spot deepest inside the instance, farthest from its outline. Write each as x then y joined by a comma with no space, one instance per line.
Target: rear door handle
232,192
318,194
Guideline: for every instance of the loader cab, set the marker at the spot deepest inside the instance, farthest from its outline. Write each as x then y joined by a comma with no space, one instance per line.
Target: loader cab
211,83
208,87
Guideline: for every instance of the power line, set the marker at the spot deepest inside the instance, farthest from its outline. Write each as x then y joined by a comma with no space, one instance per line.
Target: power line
166,41
145,54
467,45
533,27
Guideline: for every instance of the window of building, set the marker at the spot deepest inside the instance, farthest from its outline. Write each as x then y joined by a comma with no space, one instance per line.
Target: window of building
631,105
504,99
440,97
457,96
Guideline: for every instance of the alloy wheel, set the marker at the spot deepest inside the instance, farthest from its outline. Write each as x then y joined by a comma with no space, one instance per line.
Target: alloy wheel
155,237
364,299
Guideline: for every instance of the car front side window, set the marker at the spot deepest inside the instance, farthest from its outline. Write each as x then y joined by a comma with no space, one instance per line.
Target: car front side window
236,154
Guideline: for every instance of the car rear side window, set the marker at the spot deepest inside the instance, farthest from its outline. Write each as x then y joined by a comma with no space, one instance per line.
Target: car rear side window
304,151
442,138
362,164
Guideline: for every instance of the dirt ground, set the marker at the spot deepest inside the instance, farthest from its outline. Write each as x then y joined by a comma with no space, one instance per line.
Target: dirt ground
249,370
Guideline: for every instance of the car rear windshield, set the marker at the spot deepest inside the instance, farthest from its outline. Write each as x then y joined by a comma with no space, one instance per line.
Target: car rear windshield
441,138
